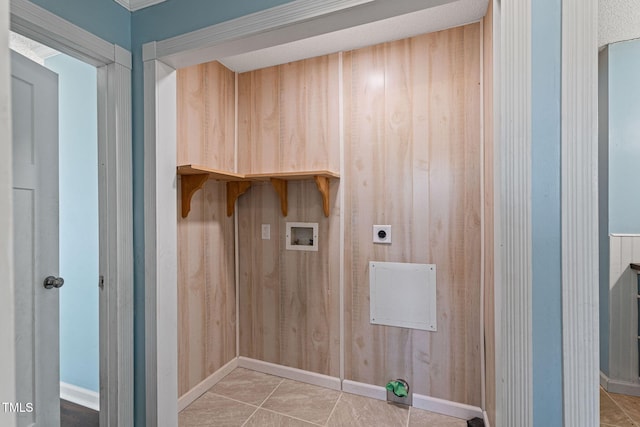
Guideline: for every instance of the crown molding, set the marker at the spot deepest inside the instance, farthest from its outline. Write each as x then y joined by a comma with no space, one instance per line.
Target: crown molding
133,5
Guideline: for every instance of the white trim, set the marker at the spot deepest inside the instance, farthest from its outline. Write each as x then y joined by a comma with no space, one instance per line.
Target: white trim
192,395
623,235
432,404
580,348
485,418
258,22
497,215
604,381
295,374
620,387
80,396
363,389
341,195
483,364
7,295
160,230
47,28
236,219
133,5
115,193
116,244
513,274
279,25
446,407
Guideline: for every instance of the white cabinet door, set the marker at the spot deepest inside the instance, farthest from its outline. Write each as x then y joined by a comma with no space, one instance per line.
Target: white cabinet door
34,97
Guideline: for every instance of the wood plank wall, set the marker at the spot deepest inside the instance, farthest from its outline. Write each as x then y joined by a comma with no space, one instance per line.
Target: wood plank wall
288,121
489,277
289,300
288,117
413,156
206,279
412,159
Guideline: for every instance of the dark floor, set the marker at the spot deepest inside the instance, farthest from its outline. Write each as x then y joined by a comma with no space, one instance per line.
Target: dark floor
72,415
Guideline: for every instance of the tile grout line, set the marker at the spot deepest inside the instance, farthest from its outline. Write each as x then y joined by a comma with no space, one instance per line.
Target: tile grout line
621,408
290,416
265,399
232,399
334,408
409,415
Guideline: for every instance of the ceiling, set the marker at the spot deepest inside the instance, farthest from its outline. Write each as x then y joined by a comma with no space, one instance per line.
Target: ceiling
448,15
33,50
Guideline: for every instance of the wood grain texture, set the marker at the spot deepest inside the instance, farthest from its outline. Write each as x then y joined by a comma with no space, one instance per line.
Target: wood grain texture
489,276
206,284
206,108
412,151
206,288
288,117
289,299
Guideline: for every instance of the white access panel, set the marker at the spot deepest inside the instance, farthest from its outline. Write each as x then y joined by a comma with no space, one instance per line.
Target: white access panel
403,294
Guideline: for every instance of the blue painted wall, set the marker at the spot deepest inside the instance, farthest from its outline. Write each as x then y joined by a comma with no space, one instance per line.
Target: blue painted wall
79,353
106,19
546,215
624,137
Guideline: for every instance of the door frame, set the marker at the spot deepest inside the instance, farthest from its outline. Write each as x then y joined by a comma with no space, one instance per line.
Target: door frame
113,65
270,27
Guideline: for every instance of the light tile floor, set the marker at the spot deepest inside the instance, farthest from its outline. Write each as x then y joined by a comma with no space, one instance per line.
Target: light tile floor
619,410
249,398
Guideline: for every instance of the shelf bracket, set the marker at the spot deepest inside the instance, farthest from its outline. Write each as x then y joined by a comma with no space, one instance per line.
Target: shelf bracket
280,185
234,190
323,187
189,185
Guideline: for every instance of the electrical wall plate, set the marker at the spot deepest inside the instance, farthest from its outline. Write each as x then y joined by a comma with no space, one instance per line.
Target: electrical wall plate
382,234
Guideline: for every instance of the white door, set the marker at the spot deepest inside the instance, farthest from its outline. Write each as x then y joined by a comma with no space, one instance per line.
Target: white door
34,94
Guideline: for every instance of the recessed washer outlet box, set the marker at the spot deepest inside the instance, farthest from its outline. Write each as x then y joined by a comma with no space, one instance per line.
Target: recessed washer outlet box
382,234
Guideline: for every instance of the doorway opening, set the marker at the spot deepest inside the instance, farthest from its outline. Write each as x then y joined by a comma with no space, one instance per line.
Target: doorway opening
78,230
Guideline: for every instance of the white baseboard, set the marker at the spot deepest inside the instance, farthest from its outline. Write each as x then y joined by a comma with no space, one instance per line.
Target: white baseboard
446,407
620,387
290,373
363,389
201,388
432,404
485,418
604,380
80,396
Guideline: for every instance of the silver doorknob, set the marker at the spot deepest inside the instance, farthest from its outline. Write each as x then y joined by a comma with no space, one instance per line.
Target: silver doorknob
53,282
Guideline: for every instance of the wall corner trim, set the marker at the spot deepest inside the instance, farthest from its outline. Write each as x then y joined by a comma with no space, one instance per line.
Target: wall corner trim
513,241
579,172
201,388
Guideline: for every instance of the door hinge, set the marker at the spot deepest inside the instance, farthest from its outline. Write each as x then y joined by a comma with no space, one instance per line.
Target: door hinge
101,283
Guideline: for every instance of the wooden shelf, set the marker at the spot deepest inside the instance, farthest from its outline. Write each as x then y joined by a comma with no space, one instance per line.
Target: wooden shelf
194,177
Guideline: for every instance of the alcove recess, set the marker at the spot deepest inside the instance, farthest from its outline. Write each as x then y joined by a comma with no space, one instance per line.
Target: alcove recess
195,176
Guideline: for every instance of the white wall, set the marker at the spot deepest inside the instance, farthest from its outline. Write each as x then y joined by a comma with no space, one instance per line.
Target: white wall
618,20
7,359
